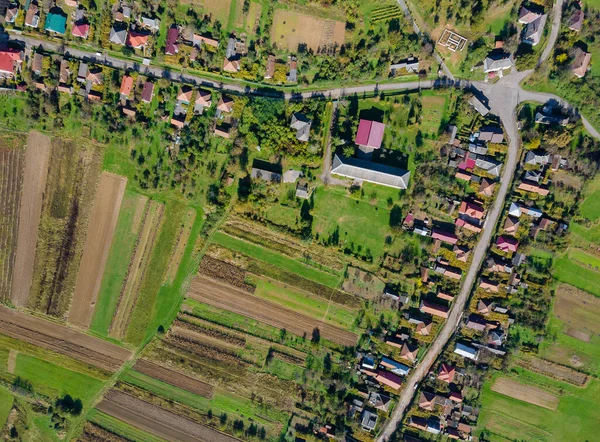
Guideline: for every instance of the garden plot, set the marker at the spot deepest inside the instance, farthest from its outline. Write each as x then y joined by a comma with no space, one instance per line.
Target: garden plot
525,393
292,29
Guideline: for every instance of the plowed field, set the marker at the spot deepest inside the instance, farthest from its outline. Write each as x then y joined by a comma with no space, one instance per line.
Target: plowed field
174,378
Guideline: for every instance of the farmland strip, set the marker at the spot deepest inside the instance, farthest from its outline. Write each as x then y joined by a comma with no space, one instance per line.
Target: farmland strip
158,421
525,393
182,241
104,218
61,339
230,298
137,268
175,378
37,158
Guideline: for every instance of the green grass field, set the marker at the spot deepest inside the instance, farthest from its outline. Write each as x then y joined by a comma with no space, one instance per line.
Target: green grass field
567,270
276,259
590,207
54,381
511,419
303,303
121,428
6,403
116,266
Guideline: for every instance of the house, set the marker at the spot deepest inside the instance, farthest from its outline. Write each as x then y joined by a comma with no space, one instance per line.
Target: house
370,134
371,172
491,134
137,40
390,379
37,63
266,171
82,72
466,351
128,112
152,24
464,224
488,286
81,30
424,274
434,309
203,99
517,210
575,21
497,62
534,158
448,271
10,62
507,244
231,66
223,131
11,13
528,15
270,70
547,118
94,96
581,63
198,40
476,322
171,47
462,253
292,76
466,176
64,89
126,86
495,265
496,338
478,148
444,236
479,106
118,36
64,73
185,94
178,121
532,175
456,397
368,420
533,188
368,362
534,31
486,188
301,124
32,18
427,400
446,373
393,342
484,306
148,92
519,259
302,191
424,328
225,104
489,164
394,366
431,425
409,66
471,210
56,21
409,352
379,401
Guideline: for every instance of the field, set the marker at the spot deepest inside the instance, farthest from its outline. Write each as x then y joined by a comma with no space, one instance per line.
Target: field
292,29
73,175
584,276
151,223
174,378
552,370
6,402
102,225
117,264
579,311
525,393
182,240
95,433
11,169
223,296
37,158
433,113
62,340
124,431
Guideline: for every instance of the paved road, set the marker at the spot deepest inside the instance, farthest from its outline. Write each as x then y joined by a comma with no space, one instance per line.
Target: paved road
556,17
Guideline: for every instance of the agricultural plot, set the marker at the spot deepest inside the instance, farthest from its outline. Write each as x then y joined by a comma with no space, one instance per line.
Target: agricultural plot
223,296
552,370
37,158
103,221
120,430
174,378
95,433
182,240
292,29
590,207
525,393
386,13
6,402
579,311
11,170
579,269
68,198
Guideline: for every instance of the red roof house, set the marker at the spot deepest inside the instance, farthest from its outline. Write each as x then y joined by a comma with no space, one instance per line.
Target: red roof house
447,373
370,134
390,379
447,237
434,309
10,59
171,46
80,30
126,85
471,210
136,39
507,244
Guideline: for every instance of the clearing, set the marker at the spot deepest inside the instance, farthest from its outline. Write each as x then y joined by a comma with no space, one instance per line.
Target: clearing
230,298
526,393
61,339
102,225
292,29
37,159
174,378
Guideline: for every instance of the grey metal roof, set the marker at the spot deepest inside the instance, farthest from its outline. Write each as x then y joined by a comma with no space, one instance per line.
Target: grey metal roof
372,172
534,30
118,37
494,63
302,125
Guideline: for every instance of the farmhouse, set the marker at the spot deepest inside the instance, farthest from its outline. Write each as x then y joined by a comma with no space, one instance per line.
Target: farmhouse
301,125
471,210
371,172
489,164
10,62
466,351
462,253
152,24
534,31
484,306
427,400
528,15
434,309
424,328
476,322
370,134
581,64
537,158
464,224
491,134
497,62
225,104
479,106
488,286
379,401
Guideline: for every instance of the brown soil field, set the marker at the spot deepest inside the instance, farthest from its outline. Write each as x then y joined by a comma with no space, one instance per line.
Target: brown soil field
37,159
73,176
553,370
292,29
225,272
11,179
175,378
525,393
137,267
182,241
63,340
579,310
94,433
158,421
101,229
230,298
191,342
184,323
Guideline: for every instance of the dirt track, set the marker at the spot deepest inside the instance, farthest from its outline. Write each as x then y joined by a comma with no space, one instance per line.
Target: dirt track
221,295
174,378
37,158
61,339
101,229
158,421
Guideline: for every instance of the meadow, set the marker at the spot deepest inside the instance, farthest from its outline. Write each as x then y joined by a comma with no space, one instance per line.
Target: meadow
6,403
566,269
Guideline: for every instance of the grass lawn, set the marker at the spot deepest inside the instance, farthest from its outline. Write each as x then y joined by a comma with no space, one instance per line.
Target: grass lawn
54,381
276,259
515,420
116,266
335,209
567,270
6,403
121,428
312,306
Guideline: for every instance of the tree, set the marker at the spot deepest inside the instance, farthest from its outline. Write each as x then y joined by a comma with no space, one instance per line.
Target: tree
316,336
327,363
396,217
223,418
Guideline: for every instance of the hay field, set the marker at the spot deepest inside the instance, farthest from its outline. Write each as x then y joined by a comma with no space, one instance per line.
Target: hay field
292,29
525,393
579,310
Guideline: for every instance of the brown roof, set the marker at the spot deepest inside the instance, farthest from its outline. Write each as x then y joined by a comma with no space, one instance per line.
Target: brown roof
463,176
185,94
225,104
390,379
222,133
64,71
483,306
581,63
94,76
64,88
488,285
447,373
427,401
434,309
270,67
486,187
511,224
31,13
533,188
147,92
545,223
424,328
231,65
36,64
177,123
445,296
204,97
129,112
409,352
471,209
126,85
